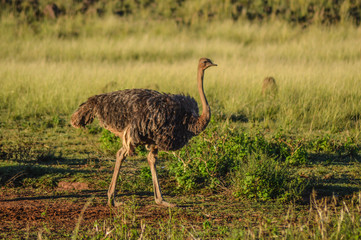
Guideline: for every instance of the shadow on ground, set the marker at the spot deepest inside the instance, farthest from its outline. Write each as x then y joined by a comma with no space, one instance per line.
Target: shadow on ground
15,172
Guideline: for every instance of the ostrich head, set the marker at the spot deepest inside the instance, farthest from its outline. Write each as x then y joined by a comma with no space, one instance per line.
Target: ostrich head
205,63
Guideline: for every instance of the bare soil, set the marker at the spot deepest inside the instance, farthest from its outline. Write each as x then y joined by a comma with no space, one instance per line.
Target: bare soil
27,213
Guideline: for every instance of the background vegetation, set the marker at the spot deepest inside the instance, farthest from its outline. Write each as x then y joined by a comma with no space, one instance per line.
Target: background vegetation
187,12
257,149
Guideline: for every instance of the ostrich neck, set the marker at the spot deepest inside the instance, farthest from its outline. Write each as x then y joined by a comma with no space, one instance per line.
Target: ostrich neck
203,120
206,112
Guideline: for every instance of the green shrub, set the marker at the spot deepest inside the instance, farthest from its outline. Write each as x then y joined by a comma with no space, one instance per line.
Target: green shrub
322,144
292,152
264,178
207,159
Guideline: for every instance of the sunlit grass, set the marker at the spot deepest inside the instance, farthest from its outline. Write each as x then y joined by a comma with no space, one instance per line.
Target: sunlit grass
316,69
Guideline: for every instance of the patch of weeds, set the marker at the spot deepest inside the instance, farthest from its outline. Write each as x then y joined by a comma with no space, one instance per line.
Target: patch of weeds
326,144
93,129
223,230
55,121
291,151
207,225
109,143
16,175
264,178
322,144
324,219
125,223
45,181
81,177
349,148
141,180
141,151
23,149
146,175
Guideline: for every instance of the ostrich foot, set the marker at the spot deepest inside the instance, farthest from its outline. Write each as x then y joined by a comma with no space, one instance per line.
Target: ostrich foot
113,203
166,204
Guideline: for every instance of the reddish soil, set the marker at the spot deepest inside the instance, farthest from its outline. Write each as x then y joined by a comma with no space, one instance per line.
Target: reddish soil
27,212
24,212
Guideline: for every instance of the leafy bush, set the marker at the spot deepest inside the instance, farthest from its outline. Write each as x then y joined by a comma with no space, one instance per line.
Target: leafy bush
264,178
292,152
209,158
322,144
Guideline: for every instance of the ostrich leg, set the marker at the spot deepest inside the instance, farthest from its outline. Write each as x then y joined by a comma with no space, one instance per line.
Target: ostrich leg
152,158
121,155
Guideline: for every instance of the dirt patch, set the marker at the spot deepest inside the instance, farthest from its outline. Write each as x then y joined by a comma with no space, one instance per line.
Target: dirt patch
56,213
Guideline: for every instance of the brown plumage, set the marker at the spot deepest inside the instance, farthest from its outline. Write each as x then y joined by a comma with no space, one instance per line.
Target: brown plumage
146,117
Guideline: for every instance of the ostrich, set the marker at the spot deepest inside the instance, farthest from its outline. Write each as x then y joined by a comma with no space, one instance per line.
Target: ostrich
157,120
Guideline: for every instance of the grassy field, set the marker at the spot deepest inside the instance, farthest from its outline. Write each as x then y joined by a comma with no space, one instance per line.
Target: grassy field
308,132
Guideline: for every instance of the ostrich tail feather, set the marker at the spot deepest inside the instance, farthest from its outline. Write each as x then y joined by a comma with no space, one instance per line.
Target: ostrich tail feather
83,115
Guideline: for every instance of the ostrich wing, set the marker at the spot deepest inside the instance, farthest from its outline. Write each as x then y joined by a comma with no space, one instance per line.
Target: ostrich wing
154,118
164,121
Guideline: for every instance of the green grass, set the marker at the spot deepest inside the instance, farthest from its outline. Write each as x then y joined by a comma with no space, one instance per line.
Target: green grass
309,131
315,69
